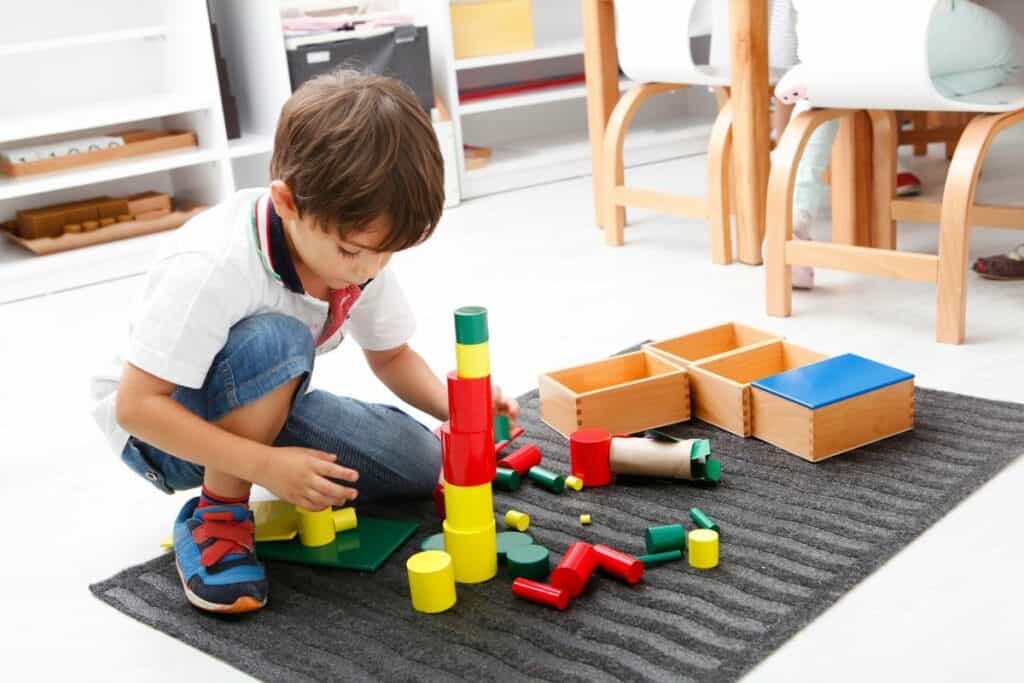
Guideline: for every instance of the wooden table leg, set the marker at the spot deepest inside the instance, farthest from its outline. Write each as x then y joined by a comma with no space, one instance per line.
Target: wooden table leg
852,189
748,21
601,66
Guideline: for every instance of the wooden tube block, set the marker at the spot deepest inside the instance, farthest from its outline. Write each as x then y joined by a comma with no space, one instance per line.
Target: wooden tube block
474,552
471,325
651,458
470,403
468,457
540,593
468,507
473,360
522,459
589,456
626,567
575,568
431,581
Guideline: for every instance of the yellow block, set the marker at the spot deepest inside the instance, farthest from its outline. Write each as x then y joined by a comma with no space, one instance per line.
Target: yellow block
474,553
702,548
473,360
520,521
468,507
575,483
491,27
431,581
585,519
316,528
345,519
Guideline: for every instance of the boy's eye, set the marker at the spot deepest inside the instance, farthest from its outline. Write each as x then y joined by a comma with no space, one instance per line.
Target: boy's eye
345,252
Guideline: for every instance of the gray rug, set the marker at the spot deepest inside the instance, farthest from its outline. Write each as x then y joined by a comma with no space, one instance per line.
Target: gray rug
795,537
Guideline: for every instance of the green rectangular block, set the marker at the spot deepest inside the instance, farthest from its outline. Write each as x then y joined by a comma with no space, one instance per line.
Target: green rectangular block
364,548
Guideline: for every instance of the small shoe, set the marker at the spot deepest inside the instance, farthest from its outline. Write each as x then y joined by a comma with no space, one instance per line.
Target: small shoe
907,184
1008,266
213,550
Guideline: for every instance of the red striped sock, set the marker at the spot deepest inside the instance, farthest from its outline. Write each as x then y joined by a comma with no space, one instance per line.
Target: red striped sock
208,498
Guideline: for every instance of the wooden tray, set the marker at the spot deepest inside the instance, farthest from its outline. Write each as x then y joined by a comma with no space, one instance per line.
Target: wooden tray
183,210
136,143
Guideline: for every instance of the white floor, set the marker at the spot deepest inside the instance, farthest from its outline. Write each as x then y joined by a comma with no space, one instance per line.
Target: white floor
947,608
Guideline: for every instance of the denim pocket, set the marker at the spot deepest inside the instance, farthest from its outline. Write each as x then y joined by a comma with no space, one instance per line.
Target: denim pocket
135,457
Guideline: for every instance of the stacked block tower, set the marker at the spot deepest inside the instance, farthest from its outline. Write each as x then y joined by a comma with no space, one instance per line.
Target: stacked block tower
467,451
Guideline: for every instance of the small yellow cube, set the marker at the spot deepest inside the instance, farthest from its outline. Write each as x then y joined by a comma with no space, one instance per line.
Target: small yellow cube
575,483
584,519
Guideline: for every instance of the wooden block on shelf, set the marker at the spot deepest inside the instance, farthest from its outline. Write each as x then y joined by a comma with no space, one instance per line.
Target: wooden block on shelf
623,395
150,215
145,202
720,386
703,344
834,406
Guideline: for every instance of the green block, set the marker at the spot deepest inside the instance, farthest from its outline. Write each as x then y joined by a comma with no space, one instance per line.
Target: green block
364,548
712,470
507,479
433,542
529,561
507,540
700,448
659,539
471,325
552,481
698,470
658,558
701,519
502,428
659,435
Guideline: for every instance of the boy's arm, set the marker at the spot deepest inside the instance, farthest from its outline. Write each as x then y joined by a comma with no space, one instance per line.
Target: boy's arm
146,409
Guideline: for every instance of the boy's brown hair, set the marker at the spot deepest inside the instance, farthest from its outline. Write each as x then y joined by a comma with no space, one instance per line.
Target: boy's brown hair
353,147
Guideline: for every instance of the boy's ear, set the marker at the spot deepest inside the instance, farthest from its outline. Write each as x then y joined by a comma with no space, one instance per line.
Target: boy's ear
284,203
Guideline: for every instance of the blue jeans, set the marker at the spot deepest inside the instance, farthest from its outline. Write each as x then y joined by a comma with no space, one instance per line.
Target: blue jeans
395,455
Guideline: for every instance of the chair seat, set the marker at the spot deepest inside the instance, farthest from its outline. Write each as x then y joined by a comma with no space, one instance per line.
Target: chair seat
703,75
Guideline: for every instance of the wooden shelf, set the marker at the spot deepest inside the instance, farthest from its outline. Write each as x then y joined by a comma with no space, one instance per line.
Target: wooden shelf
103,38
564,49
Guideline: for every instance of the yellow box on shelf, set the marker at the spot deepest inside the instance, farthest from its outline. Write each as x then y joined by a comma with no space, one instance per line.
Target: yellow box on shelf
491,27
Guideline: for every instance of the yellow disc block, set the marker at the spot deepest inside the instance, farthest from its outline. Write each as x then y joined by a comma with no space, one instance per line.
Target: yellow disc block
520,521
575,483
473,360
316,528
468,507
702,548
474,552
431,581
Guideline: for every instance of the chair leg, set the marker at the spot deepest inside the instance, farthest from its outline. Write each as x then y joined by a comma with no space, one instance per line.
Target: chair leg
919,121
954,237
613,216
885,134
781,183
719,191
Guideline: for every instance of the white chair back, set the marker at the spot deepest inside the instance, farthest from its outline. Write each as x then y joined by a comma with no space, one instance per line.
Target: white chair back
873,54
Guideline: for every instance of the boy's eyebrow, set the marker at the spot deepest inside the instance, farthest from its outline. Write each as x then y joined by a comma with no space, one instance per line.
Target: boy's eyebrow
357,244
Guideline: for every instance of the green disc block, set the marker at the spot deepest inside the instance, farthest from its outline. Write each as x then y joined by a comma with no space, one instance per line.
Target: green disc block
507,480
659,539
552,481
703,521
507,540
529,561
471,325
700,449
502,428
658,558
433,542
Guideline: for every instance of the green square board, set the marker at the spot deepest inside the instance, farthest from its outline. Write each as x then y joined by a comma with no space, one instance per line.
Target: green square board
364,548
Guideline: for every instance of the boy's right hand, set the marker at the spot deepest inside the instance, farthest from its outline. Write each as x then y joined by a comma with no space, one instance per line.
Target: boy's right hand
302,476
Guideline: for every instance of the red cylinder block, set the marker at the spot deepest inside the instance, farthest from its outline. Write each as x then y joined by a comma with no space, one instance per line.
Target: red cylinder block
470,406
541,593
626,567
589,451
439,507
575,569
521,460
468,457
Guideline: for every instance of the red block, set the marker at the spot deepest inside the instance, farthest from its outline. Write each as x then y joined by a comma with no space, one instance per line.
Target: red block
626,567
439,502
589,454
541,593
470,406
575,569
521,460
468,457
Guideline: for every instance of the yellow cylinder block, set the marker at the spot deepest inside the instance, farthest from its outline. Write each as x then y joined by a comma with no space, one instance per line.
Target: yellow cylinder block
316,528
575,483
702,548
431,581
473,360
468,507
345,519
474,552
520,521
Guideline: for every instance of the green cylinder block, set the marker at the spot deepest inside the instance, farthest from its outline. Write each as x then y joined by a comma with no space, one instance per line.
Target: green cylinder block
701,519
507,479
659,539
502,428
507,540
433,542
471,325
529,561
552,481
658,558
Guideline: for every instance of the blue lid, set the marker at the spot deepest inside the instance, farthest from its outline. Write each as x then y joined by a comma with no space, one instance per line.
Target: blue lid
831,381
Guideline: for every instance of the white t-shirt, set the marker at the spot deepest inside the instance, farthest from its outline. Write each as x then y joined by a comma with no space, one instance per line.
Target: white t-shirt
213,273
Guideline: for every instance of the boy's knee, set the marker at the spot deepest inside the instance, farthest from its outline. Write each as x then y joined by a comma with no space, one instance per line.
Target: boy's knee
271,338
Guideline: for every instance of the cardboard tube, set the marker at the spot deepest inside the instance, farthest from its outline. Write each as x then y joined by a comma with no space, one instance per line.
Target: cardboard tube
650,458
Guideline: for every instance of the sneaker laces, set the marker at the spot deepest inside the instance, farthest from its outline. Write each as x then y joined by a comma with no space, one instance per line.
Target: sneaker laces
228,535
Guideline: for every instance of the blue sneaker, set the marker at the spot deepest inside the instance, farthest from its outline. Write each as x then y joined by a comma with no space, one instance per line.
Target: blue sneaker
213,550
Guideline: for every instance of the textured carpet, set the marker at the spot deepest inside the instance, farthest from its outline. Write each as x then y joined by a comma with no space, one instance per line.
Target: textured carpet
796,536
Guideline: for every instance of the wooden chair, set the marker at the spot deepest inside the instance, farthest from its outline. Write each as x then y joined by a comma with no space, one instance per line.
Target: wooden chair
896,78
932,126
652,38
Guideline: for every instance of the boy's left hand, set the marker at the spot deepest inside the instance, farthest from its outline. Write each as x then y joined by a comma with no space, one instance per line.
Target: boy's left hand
505,406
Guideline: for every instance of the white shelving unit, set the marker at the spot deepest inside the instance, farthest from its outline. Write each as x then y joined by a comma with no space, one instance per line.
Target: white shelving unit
72,68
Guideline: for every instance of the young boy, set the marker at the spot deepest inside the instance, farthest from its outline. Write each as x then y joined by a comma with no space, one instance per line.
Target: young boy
212,389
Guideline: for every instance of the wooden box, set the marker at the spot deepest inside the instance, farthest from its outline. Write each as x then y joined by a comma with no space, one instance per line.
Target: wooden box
713,341
833,406
491,27
720,385
623,395
136,143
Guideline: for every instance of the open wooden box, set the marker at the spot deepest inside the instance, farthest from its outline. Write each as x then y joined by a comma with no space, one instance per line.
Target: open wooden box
720,385
623,395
